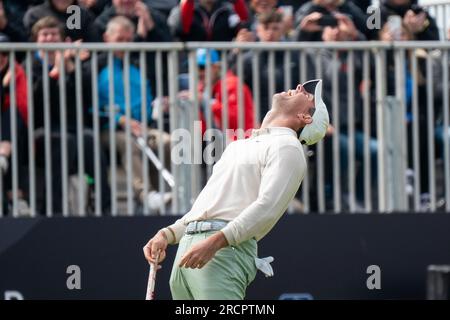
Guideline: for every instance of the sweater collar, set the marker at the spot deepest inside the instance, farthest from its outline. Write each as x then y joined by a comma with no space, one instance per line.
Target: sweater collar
274,131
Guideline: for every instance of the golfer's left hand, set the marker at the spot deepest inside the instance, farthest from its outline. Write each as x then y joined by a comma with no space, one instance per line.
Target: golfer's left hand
202,252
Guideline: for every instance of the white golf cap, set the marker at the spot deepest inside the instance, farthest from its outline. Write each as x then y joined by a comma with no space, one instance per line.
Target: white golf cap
316,130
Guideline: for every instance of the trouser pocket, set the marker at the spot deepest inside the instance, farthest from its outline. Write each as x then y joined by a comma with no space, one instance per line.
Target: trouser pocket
245,254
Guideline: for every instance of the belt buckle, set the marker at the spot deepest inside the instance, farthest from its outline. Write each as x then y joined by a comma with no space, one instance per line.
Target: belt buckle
194,227
205,226
190,229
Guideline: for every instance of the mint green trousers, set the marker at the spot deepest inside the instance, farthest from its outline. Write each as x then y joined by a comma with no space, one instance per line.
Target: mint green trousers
225,277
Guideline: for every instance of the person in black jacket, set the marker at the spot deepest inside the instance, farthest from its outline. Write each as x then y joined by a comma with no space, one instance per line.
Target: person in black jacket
269,29
256,8
150,23
17,9
421,56
49,30
206,20
344,31
96,7
415,18
308,18
58,9
362,4
163,6
10,24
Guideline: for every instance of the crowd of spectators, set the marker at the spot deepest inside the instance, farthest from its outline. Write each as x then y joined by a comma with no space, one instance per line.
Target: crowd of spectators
114,21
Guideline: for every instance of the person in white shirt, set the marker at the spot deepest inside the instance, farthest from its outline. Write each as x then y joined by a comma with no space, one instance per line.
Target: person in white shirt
248,192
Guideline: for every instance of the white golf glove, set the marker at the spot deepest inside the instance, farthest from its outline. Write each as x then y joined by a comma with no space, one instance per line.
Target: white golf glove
263,265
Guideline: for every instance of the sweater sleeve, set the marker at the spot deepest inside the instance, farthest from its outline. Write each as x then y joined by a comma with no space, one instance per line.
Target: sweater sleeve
175,231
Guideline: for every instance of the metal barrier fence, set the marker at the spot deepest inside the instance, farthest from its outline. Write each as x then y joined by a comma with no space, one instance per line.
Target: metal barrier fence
440,10
387,150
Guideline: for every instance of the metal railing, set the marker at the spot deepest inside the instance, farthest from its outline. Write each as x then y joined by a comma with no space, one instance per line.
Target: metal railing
364,165
440,10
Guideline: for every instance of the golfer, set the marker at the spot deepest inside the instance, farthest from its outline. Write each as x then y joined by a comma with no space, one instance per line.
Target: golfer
249,190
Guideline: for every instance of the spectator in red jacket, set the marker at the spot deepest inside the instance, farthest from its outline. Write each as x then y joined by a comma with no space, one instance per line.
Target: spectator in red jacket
207,20
232,85
21,87
6,148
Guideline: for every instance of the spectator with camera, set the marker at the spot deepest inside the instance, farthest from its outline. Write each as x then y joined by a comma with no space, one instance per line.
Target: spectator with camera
315,15
396,29
345,31
269,29
259,7
415,18
256,8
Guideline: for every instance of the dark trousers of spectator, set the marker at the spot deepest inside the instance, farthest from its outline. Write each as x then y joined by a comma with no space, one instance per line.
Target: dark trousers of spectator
344,169
72,165
22,156
359,158
422,149
154,139
439,136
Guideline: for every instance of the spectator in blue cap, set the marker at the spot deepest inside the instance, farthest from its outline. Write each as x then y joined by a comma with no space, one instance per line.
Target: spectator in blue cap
232,89
202,56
